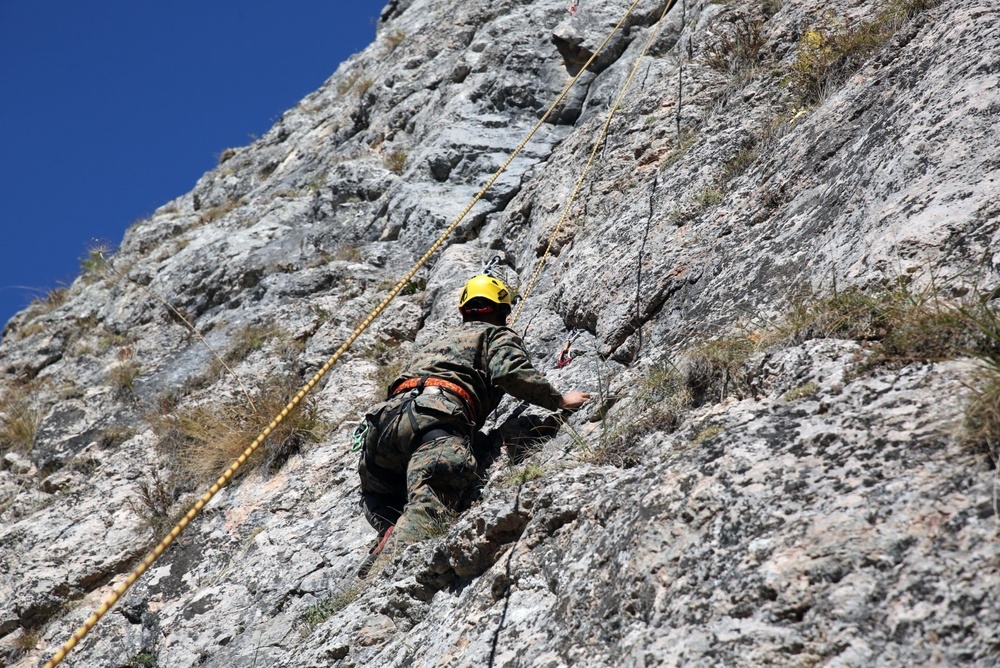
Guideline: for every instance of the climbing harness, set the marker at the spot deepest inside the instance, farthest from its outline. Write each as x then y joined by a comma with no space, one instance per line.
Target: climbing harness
228,474
565,357
430,381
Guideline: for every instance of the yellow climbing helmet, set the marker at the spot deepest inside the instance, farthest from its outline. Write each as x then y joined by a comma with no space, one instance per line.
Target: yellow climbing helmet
486,287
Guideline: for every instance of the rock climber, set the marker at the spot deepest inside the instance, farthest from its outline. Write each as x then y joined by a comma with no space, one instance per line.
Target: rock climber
417,457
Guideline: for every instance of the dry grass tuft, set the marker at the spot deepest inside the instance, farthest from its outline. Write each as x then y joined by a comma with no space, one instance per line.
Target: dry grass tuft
660,402
208,438
715,369
217,212
982,414
394,38
52,300
18,421
905,325
801,392
26,641
124,371
706,434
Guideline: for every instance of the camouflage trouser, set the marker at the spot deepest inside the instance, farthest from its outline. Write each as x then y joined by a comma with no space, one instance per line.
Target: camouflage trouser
416,462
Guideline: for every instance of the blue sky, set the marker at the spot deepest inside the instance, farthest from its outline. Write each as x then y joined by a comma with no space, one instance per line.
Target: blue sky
111,108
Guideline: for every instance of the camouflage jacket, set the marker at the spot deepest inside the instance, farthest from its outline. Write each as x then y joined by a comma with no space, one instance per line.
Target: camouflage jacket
488,361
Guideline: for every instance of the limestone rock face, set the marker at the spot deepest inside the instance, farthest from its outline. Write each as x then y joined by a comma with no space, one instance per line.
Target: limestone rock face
806,507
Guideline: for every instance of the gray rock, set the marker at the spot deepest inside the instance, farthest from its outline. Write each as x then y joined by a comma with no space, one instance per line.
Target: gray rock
818,515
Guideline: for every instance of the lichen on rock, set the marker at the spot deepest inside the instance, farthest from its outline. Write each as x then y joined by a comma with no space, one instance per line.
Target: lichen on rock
799,499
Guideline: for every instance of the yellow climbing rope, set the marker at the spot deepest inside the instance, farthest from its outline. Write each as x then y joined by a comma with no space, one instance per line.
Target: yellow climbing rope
586,169
151,558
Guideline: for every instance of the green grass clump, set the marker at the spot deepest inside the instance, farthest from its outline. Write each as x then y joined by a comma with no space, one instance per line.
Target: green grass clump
142,659
320,612
801,392
524,473
249,339
92,264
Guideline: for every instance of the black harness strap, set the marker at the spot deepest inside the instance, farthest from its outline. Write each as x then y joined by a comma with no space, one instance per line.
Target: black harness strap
434,434
389,424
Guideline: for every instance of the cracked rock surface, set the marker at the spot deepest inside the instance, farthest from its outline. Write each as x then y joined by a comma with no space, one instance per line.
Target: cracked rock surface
828,513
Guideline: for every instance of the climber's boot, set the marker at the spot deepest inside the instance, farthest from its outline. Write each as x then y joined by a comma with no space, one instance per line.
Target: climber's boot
369,561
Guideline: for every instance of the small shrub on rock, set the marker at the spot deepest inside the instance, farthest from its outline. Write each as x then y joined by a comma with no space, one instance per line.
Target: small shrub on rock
827,56
154,498
395,161
736,46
